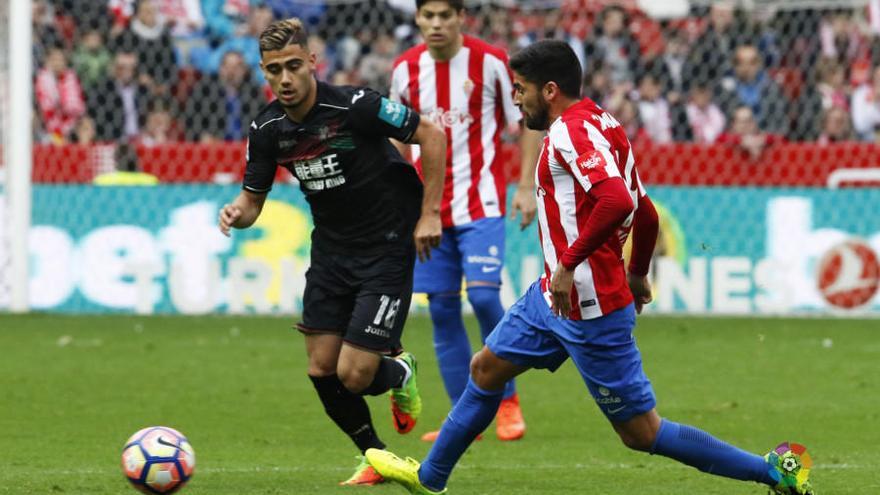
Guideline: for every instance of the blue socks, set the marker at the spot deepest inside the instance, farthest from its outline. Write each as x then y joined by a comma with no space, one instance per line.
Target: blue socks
701,450
486,302
450,337
450,343
471,415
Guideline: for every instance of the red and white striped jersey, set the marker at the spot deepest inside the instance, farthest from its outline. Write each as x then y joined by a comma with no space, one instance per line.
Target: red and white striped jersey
471,97
583,147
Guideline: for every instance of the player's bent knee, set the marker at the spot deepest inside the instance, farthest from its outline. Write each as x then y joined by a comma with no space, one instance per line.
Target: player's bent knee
484,295
642,443
321,367
484,371
639,432
355,378
355,382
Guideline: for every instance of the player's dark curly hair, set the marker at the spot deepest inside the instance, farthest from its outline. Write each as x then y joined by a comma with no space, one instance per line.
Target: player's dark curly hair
282,33
457,5
549,60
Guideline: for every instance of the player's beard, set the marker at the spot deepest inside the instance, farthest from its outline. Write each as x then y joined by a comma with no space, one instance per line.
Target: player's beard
539,120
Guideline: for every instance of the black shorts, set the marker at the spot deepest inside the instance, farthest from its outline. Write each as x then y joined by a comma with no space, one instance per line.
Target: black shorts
363,298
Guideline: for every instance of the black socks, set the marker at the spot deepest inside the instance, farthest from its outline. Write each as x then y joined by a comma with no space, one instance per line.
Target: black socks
390,374
349,411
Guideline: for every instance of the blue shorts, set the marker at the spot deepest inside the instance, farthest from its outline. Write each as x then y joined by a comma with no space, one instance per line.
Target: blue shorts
474,250
603,350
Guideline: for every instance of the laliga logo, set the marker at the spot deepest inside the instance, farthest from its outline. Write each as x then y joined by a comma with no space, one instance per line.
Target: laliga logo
849,274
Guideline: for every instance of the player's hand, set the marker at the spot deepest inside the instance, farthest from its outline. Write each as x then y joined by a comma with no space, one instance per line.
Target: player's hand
640,286
427,235
524,201
229,214
560,291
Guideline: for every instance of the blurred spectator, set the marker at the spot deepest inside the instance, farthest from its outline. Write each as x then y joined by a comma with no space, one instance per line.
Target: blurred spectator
703,115
59,96
118,104
654,110
627,113
186,26
223,17
85,132
752,86
614,45
375,68
184,17
45,33
309,11
160,127
325,62
148,37
712,52
551,28
866,107
744,134
222,106
91,59
246,43
841,38
673,62
836,126
832,88
597,84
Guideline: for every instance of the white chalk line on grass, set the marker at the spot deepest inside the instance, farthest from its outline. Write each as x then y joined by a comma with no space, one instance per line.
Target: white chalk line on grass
461,467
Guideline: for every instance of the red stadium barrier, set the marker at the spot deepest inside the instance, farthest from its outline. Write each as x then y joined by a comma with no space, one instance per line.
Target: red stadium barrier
791,164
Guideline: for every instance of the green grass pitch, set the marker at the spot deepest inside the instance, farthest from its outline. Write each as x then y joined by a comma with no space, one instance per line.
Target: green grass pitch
72,389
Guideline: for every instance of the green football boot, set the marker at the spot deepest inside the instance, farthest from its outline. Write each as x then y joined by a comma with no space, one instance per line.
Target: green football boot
402,471
406,403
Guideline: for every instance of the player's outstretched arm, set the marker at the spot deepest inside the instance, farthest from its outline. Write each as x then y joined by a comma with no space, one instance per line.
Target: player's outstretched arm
646,225
524,197
432,142
242,212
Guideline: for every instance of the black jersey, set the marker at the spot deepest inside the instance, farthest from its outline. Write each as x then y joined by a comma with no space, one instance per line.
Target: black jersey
363,194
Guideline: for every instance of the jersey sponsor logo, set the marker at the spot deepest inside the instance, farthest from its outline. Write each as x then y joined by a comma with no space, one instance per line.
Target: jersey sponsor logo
357,96
606,121
392,112
450,118
318,174
590,160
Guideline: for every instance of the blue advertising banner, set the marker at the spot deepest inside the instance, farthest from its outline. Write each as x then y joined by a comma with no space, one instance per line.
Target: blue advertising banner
721,250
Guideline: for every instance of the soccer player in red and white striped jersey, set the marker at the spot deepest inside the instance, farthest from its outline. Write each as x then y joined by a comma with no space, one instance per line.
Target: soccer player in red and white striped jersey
464,85
589,197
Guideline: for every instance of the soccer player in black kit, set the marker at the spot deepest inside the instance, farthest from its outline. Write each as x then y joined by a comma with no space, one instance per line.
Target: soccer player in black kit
372,216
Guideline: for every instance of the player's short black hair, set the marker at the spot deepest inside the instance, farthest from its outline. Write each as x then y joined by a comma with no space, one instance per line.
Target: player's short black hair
550,60
457,5
282,33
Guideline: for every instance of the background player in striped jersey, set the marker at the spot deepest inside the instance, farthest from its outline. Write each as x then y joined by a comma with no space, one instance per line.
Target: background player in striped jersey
464,85
583,307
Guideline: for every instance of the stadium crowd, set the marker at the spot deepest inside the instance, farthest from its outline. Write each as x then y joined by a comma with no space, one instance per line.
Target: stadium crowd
149,72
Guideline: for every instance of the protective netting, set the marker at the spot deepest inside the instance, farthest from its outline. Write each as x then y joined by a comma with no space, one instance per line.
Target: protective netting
738,112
